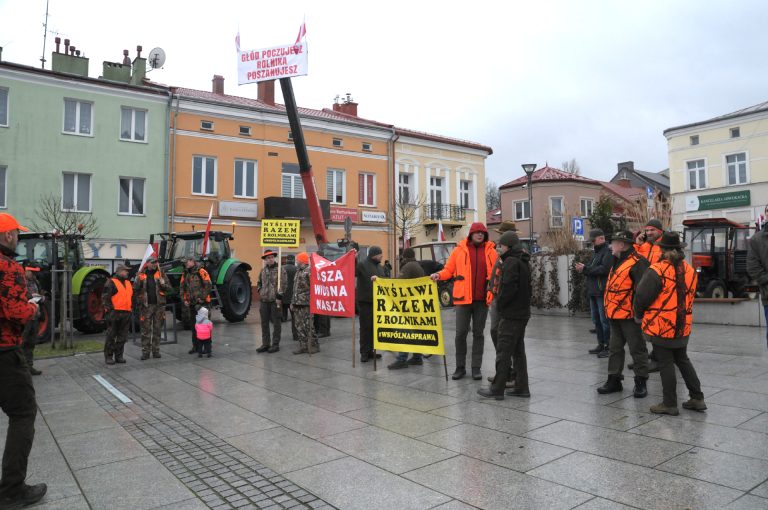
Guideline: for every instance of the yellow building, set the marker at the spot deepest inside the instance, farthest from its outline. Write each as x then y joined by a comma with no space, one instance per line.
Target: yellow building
443,180
719,167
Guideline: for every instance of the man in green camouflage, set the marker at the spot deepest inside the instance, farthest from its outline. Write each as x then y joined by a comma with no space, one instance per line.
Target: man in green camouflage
302,319
195,289
149,290
271,301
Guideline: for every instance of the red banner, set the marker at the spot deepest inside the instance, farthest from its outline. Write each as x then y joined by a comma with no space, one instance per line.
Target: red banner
332,285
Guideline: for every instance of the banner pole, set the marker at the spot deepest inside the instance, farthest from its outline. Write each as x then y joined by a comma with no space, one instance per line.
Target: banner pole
445,366
353,340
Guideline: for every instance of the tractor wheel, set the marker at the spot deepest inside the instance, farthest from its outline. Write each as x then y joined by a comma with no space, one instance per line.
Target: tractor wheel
91,309
716,289
446,296
44,324
236,296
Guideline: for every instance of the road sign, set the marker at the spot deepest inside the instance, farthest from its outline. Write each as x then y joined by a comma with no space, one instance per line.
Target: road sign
577,226
649,192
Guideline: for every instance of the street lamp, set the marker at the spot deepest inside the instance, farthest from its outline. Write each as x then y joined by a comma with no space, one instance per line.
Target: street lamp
529,168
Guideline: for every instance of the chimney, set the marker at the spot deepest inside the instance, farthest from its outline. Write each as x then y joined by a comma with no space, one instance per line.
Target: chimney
218,84
70,61
126,58
625,169
139,68
347,106
266,90
66,46
58,43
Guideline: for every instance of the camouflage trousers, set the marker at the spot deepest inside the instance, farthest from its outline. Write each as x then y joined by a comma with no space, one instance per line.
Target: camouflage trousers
117,333
152,319
305,330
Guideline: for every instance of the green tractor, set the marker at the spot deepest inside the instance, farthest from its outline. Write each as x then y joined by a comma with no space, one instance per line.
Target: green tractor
231,291
51,252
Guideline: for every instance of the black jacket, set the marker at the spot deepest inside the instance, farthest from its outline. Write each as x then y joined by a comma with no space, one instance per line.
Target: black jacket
365,270
757,261
411,269
290,270
597,270
514,301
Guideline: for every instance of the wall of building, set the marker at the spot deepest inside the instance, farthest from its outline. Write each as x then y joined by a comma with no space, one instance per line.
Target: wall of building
744,201
35,151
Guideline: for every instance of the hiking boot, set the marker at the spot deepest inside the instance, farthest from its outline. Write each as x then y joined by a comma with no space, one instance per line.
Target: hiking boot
663,409
300,350
518,393
314,349
604,353
491,379
415,361
476,375
263,348
459,373
208,355
612,385
630,366
109,360
199,354
34,371
364,358
653,366
488,393
397,365
597,349
273,349
193,350
156,355
28,495
120,360
144,355
695,404
374,354
640,391
593,331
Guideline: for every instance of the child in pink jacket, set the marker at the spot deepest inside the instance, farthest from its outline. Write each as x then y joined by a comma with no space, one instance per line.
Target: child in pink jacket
203,332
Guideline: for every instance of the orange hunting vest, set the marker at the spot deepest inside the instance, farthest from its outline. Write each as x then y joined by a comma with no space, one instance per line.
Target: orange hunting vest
650,251
619,291
123,299
668,316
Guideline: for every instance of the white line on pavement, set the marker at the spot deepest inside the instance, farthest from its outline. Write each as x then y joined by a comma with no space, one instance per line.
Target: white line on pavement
112,389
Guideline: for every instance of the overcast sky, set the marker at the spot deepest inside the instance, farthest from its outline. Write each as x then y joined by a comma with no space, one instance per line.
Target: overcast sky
539,82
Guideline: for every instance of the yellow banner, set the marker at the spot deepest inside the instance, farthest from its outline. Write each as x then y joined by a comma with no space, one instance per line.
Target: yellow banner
280,233
406,316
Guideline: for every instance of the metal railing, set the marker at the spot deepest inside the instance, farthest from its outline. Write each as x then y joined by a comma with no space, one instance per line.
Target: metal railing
446,212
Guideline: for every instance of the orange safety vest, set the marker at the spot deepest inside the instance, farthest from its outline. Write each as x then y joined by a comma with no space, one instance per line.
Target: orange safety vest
619,291
123,299
671,313
650,251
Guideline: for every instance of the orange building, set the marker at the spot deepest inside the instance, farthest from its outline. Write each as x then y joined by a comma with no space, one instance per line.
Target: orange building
237,155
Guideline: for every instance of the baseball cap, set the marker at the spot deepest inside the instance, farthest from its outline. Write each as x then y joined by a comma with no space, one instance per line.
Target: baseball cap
8,223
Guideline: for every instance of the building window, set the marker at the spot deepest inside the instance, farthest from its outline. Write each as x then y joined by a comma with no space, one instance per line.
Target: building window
245,178
3,107
291,181
133,124
367,147
436,190
334,182
245,130
367,189
736,165
206,125
586,207
78,117
203,175
405,188
338,142
76,192
3,186
735,132
695,140
131,196
290,136
465,195
556,212
697,174
522,210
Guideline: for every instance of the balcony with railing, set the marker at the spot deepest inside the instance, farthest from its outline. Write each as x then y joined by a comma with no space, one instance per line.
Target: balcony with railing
446,213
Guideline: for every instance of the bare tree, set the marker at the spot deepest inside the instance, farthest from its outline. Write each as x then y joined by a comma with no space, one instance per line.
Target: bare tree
406,216
492,195
571,167
51,216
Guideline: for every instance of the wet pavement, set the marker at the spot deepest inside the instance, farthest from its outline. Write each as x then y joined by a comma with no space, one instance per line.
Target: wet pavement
250,430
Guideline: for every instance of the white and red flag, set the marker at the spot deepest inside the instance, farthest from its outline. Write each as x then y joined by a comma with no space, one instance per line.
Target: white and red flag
149,252
440,232
302,31
237,40
206,246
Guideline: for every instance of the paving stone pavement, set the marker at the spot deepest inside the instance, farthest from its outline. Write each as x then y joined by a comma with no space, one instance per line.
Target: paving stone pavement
249,430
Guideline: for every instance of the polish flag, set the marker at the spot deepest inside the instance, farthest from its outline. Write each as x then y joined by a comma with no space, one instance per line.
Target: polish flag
206,247
440,232
237,40
302,32
147,253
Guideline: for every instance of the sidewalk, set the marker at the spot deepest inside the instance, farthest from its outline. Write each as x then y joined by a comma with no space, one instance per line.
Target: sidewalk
248,430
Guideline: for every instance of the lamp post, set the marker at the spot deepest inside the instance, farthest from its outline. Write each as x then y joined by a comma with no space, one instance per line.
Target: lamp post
529,168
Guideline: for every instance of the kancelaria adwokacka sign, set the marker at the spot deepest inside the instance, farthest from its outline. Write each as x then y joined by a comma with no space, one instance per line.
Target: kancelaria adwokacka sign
272,63
406,316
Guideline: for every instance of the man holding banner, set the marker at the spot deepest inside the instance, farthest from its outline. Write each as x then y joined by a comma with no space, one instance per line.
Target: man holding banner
409,268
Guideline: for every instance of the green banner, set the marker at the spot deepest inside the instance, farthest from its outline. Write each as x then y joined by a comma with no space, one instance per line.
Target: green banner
724,200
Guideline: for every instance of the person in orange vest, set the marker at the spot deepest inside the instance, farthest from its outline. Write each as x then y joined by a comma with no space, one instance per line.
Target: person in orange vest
645,245
151,287
17,393
470,265
664,307
627,270
118,303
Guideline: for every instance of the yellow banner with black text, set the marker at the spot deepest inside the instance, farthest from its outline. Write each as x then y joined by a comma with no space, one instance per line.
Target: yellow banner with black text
406,316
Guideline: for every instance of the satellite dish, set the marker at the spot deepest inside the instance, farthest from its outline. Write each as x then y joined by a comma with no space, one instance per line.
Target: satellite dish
156,58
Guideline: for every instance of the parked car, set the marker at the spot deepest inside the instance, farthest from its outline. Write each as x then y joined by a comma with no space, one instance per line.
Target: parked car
432,257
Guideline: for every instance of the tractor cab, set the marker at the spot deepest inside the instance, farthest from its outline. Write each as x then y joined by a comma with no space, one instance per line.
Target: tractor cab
718,253
432,257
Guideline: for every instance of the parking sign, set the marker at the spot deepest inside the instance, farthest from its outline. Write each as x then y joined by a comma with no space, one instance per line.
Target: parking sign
578,228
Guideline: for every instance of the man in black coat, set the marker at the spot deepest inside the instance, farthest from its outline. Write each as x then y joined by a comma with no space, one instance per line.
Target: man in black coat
757,263
514,307
597,277
366,270
409,268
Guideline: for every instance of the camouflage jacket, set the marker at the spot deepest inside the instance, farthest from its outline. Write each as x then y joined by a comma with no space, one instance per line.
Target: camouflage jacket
301,287
141,286
267,285
196,285
33,287
15,310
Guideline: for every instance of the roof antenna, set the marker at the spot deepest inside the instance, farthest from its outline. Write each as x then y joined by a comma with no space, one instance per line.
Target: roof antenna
45,34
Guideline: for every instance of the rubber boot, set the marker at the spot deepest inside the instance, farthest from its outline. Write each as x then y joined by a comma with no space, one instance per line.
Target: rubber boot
612,385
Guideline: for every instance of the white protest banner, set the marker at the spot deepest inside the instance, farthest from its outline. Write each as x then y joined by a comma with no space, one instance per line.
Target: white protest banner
272,63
